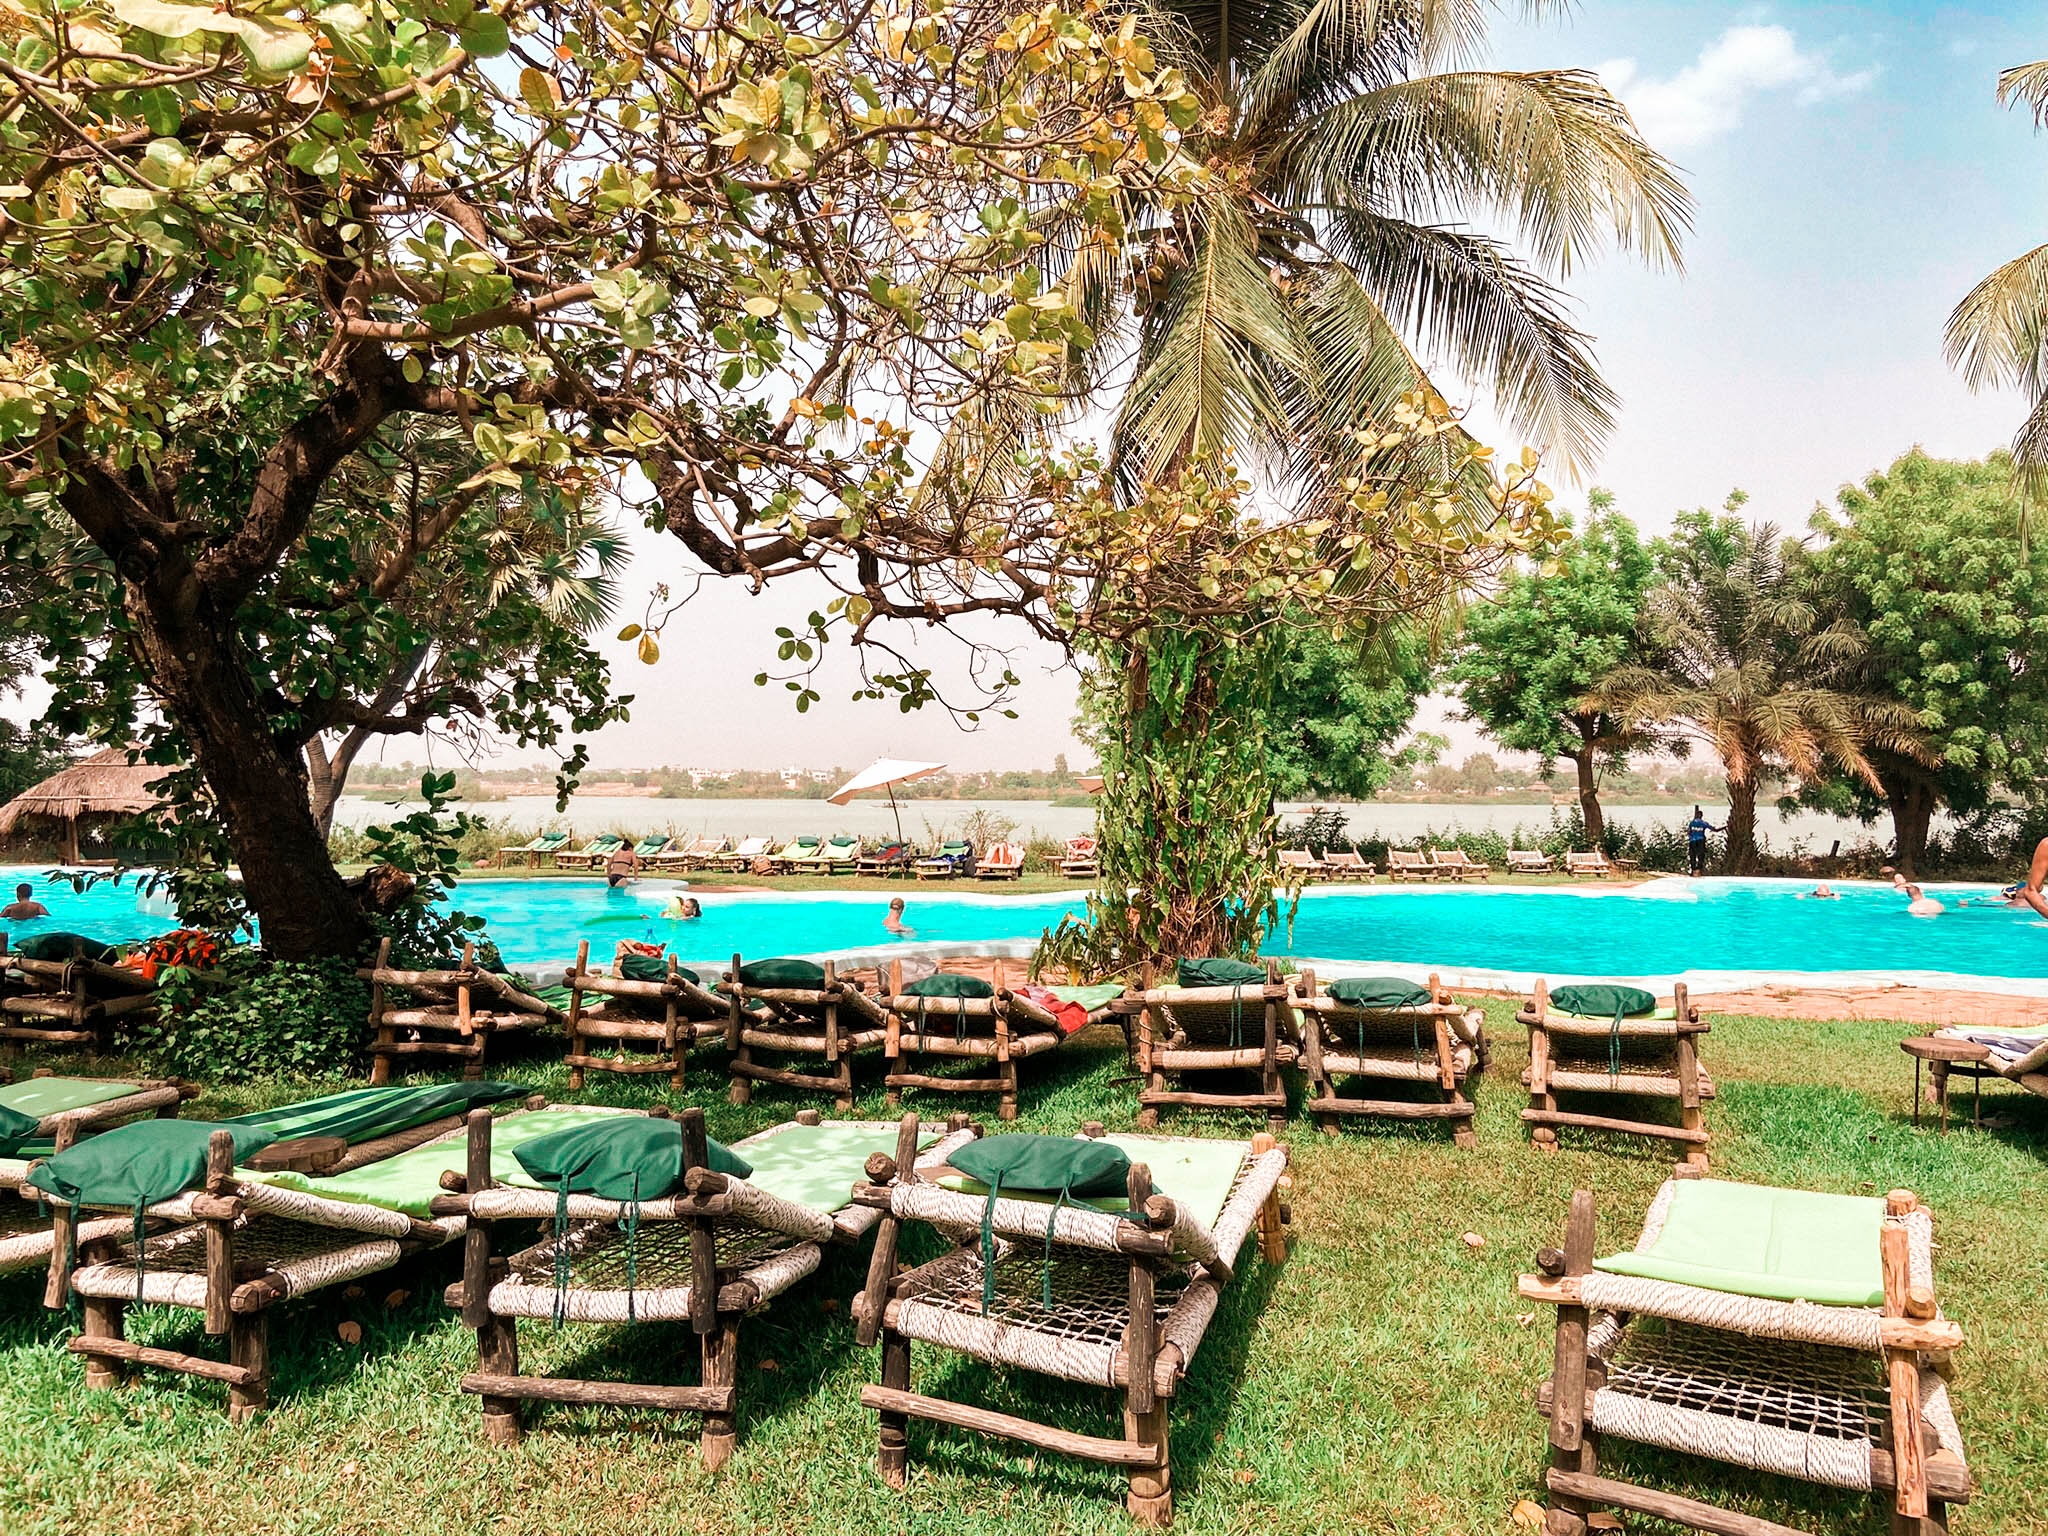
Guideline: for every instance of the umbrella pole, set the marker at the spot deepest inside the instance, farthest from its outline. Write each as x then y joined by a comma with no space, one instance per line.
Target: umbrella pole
893,811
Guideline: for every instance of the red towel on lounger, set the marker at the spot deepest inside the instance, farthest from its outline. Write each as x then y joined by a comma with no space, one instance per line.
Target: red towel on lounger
1071,1016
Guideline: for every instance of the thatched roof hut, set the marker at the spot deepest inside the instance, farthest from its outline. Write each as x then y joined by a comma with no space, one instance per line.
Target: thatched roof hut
105,786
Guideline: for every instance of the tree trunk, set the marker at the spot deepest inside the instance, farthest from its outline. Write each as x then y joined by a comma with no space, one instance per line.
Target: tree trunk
1912,799
1589,797
1742,859
257,777
327,772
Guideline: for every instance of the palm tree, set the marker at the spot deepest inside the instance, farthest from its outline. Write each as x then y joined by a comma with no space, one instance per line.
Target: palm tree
1746,664
1333,248
1998,335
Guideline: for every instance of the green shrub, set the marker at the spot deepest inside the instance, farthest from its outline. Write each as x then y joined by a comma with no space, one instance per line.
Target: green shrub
257,1017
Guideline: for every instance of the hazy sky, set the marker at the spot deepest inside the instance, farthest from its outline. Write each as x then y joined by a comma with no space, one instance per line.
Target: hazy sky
1853,176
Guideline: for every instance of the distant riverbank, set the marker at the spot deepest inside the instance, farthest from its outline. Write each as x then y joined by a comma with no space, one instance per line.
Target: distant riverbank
922,820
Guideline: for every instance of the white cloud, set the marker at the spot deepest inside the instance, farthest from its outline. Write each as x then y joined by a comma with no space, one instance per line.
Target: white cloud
1705,100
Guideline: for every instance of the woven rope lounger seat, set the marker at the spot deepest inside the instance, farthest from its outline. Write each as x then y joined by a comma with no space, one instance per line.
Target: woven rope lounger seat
244,1240
450,1012
90,1103
1245,1025
70,1001
1131,1295
1784,1331
2017,1055
1000,1028
801,1010
1382,1029
1616,1044
707,1254
645,1001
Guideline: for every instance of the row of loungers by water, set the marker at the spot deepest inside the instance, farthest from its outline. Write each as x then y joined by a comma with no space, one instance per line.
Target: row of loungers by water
1785,1331
843,855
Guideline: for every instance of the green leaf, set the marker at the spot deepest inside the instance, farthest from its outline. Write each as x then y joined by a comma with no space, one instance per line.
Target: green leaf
538,91
168,20
273,49
485,36
629,631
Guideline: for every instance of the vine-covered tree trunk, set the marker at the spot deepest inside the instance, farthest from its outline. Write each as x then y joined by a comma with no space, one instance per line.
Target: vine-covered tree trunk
1184,821
1912,798
1741,858
1589,797
257,777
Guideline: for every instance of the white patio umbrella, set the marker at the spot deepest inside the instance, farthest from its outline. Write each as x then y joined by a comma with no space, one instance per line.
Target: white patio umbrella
884,773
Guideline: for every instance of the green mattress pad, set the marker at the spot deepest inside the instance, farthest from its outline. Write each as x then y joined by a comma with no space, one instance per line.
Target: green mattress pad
1754,1240
362,1114
411,1179
1666,1014
1089,997
817,1165
1198,1175
40,1096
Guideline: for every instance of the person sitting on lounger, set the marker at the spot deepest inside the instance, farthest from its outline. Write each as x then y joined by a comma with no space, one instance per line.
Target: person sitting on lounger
621,867
25,906
894,921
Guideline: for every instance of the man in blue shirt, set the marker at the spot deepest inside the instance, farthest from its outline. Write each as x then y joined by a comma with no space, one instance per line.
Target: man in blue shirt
1696,832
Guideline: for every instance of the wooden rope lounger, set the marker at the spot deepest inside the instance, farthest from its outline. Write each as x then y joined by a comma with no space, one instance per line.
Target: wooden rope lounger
831,1023
1248,1028
1436,1043
671,1016
237,1246
67,1002
1001,1030
707,1256
446,1021
1131,1300
1638,1058
1847,1396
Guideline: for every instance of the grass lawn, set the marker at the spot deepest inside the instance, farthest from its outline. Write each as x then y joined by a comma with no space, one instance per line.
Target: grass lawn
1380,1381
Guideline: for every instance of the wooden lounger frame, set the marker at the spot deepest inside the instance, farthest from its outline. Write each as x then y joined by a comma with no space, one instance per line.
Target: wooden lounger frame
1922,1477
689,1014
238,1294
1006,1029
1151,1357
454,1013
155,1096
1682,1078
1325,1061
68,1002
802,1022
1160,1052
720,1295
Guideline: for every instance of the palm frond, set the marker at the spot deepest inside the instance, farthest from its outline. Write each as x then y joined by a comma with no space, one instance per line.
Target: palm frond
2026,83
1996,334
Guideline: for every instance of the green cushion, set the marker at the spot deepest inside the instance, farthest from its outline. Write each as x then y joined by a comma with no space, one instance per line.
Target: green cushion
141,1163
1218,971
782,972
60,946
16,1129
619,1157
946,984
363,1114
1608,1018
1379,992
1090,997
652,968
1046,1165
1603,1000
1754,1240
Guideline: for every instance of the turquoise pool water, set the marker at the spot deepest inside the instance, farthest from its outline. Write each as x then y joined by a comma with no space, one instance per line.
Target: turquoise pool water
1664,928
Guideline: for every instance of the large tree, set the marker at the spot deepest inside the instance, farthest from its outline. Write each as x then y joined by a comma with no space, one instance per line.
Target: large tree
1341,705
1534,655
1746,662
669,255
1928,559
1998,334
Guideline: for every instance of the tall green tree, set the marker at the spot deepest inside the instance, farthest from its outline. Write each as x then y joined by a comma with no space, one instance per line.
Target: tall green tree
1338,708
1927,558
1534,656
1746,662
1998,334
653,256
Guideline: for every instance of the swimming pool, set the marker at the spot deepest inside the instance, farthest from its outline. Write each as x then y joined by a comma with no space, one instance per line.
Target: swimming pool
1718,931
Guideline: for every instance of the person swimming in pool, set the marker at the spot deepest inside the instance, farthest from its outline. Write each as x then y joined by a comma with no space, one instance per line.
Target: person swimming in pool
1820,893
24,906
1918,902
894,923
684,907
2027,892
621,868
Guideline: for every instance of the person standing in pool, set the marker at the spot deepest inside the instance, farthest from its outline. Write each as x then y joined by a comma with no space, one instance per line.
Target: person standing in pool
894,923
1696,832
2028,892
25,906
621,867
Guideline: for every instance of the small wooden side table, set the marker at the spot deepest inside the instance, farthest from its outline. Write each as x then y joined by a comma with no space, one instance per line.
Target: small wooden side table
1946,1054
